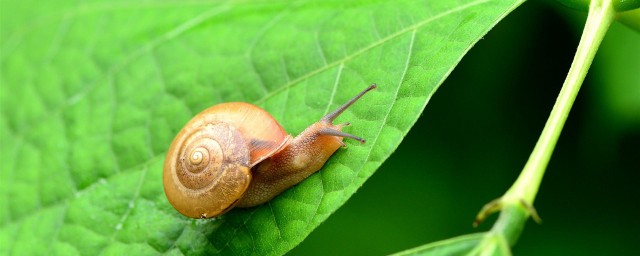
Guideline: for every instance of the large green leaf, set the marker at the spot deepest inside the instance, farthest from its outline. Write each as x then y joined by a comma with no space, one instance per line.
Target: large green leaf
93,93
472,244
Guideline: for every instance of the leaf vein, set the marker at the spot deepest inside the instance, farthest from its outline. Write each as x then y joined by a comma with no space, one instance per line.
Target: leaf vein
334,89
363,50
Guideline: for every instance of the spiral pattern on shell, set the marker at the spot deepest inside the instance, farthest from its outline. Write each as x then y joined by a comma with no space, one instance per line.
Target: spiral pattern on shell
200,158
206,170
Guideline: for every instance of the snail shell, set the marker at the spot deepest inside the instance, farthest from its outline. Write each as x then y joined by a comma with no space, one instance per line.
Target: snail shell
208,165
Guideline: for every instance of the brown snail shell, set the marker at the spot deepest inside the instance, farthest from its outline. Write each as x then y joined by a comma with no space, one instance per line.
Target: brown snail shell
208,165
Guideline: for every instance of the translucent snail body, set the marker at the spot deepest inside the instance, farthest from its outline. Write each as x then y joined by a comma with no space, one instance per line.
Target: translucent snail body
236,155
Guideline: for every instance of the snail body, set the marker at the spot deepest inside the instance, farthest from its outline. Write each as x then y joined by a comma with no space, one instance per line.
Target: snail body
237,155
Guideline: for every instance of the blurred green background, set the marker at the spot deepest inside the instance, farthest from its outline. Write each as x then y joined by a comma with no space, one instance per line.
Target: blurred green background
476,134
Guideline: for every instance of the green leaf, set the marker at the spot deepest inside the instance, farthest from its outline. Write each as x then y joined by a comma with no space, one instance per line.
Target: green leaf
486,243
460,245
93,93
497,241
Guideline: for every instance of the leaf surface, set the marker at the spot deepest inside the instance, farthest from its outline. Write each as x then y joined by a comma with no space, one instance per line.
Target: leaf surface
93,93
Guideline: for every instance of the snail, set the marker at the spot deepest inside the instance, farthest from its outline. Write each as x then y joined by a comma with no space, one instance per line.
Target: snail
237,155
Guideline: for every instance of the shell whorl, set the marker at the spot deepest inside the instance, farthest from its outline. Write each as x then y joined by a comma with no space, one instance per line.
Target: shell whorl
200,159
206,170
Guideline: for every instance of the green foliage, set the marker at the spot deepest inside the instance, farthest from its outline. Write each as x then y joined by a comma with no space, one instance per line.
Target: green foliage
479,130
515,205
619,5
454,246
92,95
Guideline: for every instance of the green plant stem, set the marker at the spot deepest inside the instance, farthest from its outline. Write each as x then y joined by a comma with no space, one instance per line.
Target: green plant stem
524,190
